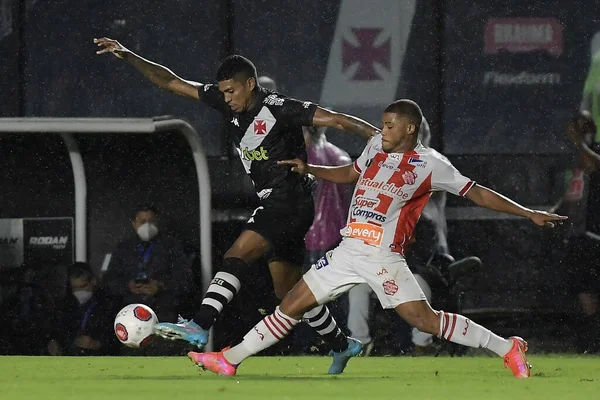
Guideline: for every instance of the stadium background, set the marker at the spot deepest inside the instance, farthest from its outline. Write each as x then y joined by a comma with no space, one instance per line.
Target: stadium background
506,136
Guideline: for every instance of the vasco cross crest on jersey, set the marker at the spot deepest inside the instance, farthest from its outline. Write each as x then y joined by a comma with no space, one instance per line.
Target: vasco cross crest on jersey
260,127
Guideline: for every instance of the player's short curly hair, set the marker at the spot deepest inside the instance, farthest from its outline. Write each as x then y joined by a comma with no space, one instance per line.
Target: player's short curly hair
407,108
236,67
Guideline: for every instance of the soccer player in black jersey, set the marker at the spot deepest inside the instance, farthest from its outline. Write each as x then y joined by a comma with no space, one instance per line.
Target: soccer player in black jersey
267,127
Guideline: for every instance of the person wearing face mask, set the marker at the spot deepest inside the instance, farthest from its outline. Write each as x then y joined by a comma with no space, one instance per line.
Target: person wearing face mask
85,324
149,267
580,200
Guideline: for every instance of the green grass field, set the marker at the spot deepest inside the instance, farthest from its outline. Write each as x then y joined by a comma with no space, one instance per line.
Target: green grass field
43,378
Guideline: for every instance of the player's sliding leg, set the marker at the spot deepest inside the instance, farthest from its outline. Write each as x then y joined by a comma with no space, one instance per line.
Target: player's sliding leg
266,333
458,329
249,246
396,287
285,275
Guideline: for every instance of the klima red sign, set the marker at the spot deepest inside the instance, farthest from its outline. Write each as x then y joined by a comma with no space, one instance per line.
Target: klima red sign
518,35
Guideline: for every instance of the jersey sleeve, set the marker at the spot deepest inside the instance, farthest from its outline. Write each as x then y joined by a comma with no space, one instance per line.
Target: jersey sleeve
447,178
369,152
297,113
212,96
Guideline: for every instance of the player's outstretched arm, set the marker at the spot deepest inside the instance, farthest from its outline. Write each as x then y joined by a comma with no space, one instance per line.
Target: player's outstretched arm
487,198
344,122
156,73
341,174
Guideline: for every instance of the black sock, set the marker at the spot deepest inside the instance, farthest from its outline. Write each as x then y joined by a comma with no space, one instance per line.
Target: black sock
321,320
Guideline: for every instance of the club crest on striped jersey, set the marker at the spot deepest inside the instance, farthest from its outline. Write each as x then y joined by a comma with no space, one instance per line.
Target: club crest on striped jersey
409,177
389,287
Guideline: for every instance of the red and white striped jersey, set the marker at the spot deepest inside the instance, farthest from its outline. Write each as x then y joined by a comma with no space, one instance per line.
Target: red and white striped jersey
392,191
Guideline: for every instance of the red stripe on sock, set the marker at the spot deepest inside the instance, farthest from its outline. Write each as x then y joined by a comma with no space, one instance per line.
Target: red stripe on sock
445,325
280,324
286,323
276,326
285,318
271,329
453,326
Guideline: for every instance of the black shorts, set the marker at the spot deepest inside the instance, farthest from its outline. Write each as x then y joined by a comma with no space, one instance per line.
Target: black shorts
583,263
284,227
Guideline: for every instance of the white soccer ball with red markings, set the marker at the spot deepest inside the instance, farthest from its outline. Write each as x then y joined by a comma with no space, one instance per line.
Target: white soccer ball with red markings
134,325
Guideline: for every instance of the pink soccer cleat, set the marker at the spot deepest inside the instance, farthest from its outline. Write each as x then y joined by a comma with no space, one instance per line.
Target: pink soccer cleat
214,362
516,360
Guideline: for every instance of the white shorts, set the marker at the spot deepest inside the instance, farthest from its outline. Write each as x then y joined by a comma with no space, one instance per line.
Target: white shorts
354,262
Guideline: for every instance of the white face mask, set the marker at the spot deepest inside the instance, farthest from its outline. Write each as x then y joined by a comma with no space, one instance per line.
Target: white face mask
82,296
147,231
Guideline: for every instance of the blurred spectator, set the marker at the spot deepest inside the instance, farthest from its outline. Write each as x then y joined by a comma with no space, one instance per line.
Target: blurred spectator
86,324
267,83
35,308
149,268
331,199
10,285
581,203
591,87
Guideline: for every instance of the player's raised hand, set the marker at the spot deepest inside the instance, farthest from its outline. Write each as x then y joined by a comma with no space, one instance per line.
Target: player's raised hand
297,165
546,219
110,46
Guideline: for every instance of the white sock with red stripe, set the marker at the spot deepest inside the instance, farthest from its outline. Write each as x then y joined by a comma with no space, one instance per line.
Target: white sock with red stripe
458,329
265,334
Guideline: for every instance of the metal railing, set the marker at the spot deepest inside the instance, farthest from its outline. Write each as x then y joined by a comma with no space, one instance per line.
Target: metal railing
66,127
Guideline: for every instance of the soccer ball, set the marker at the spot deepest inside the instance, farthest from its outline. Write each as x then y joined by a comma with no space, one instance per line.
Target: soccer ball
134,324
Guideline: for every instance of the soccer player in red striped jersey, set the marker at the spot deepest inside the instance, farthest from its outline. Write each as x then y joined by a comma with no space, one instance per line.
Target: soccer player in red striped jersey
395,176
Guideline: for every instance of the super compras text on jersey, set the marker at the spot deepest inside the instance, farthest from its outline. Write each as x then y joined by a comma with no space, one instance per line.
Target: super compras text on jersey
393,189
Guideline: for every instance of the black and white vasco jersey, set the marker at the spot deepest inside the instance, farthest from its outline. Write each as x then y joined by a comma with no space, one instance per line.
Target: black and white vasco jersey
265,134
